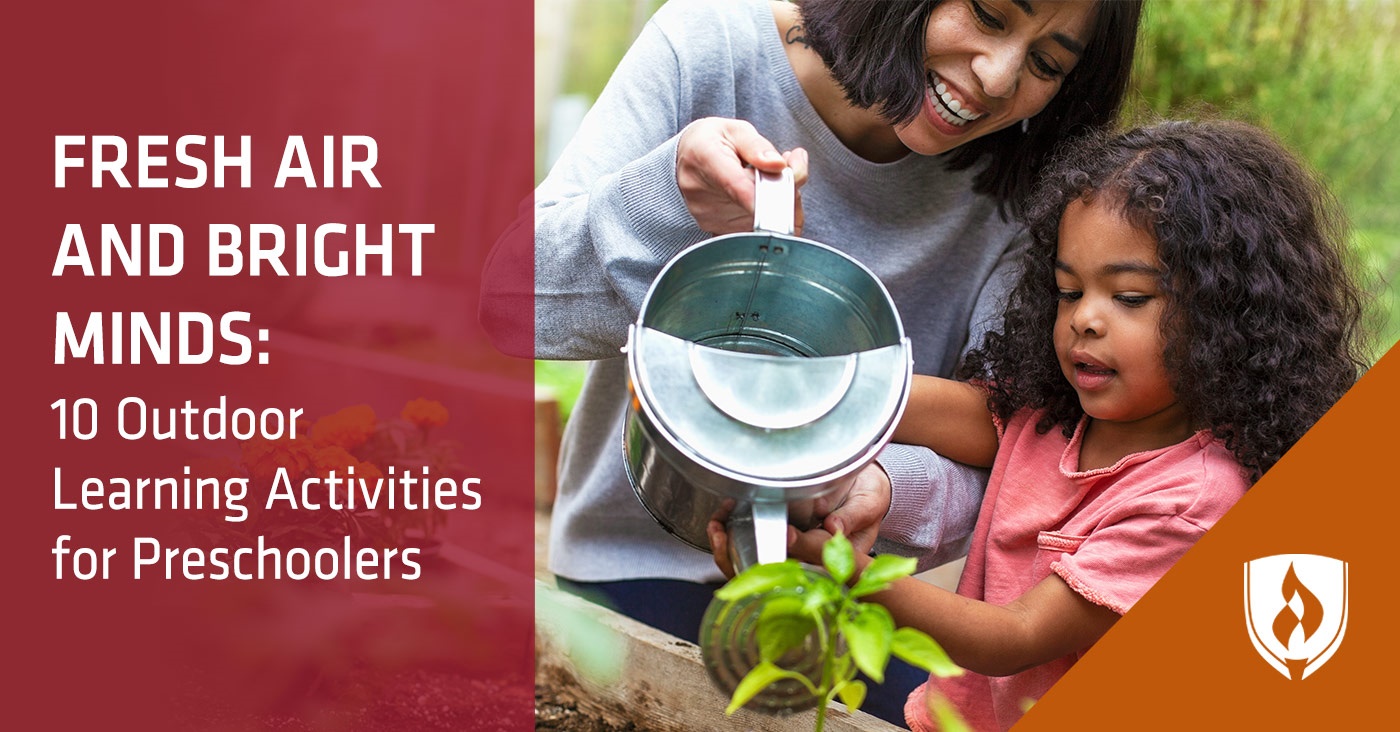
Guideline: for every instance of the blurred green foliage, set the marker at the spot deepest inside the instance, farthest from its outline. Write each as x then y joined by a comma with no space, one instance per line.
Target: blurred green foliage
564,379
1319,73
1316,72
603,29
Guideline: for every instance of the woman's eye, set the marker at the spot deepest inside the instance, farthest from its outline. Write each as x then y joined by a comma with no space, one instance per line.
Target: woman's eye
984,17
1134,301
1044,68
1068,295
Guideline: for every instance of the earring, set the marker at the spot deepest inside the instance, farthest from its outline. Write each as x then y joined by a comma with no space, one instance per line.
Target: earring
1025,125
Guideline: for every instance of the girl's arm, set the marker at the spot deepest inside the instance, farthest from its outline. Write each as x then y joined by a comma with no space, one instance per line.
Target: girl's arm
1047,622
951,418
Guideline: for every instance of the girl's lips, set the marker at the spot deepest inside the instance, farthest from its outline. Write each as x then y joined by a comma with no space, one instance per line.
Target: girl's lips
1089,372
1090,378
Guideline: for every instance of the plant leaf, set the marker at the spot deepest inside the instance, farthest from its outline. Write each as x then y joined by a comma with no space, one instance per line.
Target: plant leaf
881,571
918,648
755,681
761,578
839,558
782,626
852,694
821,596
944,712
778,605
869,634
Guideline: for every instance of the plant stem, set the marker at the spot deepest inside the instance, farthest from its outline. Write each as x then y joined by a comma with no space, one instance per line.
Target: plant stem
829,643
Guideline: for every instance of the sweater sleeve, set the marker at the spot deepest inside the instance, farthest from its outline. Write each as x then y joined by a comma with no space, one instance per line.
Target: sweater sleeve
934,501
604,221
933,505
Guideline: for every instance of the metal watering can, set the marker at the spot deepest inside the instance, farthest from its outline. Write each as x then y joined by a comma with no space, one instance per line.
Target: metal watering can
765,371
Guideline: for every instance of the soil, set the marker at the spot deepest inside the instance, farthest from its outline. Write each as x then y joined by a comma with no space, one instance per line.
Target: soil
561,717
556,710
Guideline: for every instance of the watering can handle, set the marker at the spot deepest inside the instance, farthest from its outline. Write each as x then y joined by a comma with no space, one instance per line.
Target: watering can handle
758,534
774,202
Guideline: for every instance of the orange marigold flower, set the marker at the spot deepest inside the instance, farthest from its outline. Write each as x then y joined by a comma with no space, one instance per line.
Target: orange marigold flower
369,472
425,413
348,428
326,459
262,457
221,468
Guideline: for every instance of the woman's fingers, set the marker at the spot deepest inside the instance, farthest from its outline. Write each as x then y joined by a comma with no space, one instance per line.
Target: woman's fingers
806,546
714,161
754,149
719,547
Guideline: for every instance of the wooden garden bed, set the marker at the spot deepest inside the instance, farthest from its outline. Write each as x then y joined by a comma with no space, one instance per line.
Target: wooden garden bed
650,680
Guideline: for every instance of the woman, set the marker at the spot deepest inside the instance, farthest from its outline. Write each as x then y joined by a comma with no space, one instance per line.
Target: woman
915,129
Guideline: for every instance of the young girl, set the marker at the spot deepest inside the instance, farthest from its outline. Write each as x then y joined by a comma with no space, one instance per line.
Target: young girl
1184,316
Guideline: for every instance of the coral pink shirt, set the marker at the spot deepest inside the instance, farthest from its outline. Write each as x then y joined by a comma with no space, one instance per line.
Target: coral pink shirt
1110,533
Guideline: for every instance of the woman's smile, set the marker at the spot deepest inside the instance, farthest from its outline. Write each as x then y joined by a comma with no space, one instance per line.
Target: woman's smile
949,104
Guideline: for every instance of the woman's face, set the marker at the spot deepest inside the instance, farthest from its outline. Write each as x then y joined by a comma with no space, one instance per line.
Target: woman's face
990,64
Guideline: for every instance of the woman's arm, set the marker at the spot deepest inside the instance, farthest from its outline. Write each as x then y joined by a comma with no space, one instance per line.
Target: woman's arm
932,502
950,418
656,165
591,238
609,213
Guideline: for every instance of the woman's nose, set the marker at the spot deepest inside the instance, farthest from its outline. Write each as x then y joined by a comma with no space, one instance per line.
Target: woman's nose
999,70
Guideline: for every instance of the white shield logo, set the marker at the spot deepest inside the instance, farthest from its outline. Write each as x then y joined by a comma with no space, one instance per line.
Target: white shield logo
1295,606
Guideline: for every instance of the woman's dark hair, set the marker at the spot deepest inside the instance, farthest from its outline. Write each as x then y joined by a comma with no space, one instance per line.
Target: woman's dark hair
1263,319
875,50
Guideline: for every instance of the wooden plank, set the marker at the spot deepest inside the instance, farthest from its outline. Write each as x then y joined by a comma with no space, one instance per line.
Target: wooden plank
624,672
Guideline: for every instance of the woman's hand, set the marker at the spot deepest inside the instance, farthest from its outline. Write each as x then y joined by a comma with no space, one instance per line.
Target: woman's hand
710,170
718,532
857,515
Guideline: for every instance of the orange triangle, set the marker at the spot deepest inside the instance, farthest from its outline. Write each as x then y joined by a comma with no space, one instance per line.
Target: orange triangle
1182,657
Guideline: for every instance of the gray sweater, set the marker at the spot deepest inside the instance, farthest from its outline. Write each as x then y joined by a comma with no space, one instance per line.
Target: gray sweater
609,215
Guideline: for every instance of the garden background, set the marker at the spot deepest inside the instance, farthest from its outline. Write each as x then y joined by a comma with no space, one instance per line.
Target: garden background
1318,73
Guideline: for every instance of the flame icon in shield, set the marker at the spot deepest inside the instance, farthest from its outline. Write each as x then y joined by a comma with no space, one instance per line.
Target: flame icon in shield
1295,608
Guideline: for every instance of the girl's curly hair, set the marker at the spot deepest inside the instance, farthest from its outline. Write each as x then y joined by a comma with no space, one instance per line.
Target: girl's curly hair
1263,319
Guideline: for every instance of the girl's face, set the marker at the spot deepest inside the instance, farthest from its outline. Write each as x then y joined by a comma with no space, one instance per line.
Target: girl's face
1108,334
990,64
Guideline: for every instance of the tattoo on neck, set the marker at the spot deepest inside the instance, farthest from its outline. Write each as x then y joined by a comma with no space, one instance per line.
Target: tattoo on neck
794,35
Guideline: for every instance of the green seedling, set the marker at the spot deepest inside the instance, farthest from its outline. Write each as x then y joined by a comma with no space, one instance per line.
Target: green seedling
854,635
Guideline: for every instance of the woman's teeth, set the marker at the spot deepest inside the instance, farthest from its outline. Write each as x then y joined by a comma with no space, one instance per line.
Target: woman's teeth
951,110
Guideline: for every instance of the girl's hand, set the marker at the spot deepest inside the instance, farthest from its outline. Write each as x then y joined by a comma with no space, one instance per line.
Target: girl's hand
710,170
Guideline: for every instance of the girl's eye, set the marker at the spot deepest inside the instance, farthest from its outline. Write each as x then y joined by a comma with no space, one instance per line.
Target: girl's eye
1044,68
1133,301
984,17
1068,295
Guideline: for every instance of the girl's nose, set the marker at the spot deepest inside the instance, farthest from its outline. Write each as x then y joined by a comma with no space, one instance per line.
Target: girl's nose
999,69
1088,319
